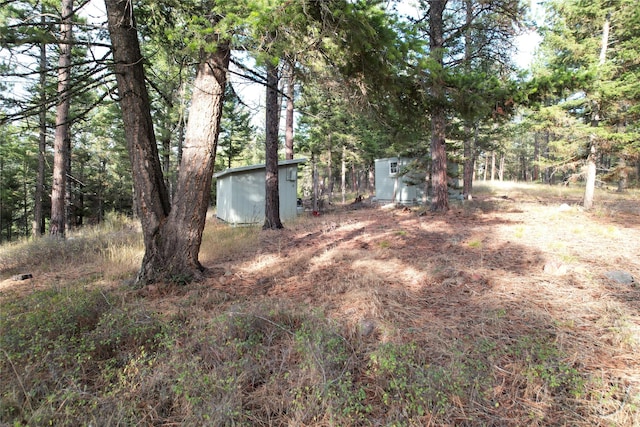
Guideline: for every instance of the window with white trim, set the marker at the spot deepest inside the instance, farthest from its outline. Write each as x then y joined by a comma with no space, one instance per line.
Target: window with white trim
393,168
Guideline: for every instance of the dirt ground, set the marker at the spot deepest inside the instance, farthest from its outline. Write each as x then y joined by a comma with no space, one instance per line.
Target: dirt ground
513,247
505,266
513,267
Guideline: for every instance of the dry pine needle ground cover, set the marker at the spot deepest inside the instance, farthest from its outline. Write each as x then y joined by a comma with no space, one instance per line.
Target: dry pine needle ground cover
499,312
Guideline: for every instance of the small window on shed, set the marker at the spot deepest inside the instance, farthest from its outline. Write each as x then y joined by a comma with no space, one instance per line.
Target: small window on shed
393,168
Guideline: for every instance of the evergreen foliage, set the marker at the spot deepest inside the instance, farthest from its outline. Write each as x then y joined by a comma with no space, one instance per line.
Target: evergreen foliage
364,77
583,92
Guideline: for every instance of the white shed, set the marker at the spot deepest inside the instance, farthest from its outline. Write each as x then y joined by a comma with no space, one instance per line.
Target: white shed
391,186
240,195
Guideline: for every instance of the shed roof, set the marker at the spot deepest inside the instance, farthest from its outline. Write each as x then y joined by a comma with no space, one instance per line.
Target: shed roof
254,167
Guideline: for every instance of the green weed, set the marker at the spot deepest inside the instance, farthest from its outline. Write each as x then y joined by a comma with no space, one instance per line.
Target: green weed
476,244
61,344
543,362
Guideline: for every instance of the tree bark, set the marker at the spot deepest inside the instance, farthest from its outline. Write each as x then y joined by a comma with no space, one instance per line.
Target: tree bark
623,175
493,166
272,194
60,144
467,169
149,188
548,175
536,157
343,174
330,166
440,200
166,155
288,134
590,186
69,209
355,187
25,201
468,147
177,246
172,235
152,201
316,186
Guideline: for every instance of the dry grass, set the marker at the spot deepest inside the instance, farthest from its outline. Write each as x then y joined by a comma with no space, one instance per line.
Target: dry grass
111,251
497,313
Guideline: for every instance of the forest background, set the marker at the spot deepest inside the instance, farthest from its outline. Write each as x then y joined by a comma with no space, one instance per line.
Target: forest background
533,125
513,303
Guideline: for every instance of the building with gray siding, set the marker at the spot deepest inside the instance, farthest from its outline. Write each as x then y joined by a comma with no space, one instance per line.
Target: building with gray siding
393,185
240,196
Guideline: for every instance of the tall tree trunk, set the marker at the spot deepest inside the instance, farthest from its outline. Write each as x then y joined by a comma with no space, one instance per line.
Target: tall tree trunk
354,180
467,168
172,235
100,193
166,154
180,245
36,229
272,194
316,186
501,168
536,157
623,174
69,209
343,174
590,184
486,167
493,165
181,127
25,198
467,151
152,201
80,220
288,134
60,144
548,174
440,200
330,166
1,199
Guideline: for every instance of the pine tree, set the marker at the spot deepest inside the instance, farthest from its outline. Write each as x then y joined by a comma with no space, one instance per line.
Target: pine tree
587,52
462,33
236,130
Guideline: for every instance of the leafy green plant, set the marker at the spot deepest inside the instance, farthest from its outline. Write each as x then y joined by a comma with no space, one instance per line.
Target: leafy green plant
544,362
36,324
411,387
60,342
476,244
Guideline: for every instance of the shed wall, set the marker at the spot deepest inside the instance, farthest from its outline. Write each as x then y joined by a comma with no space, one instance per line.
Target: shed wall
240,195
388,183
288,186
247,197
223,204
